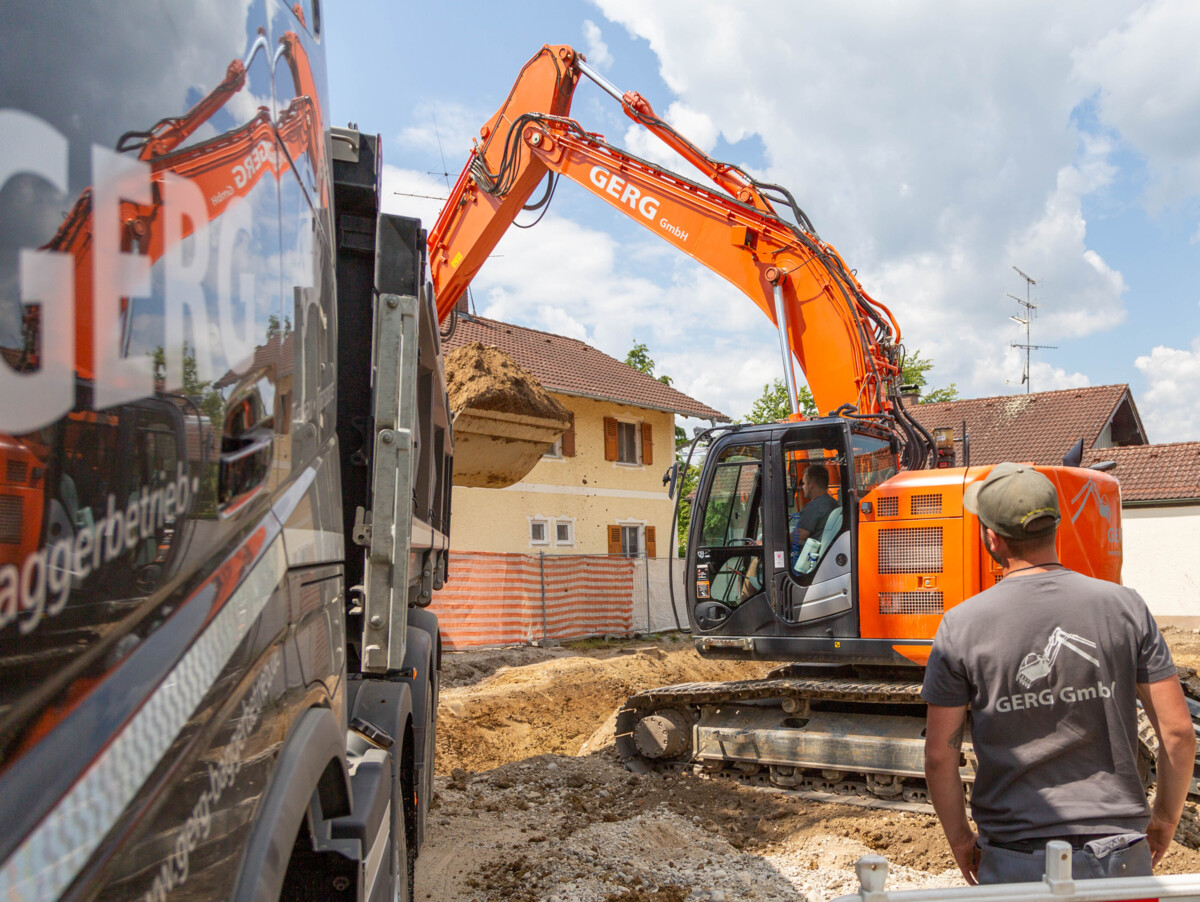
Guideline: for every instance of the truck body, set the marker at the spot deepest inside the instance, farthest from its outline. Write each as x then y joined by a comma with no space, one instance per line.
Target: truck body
227,452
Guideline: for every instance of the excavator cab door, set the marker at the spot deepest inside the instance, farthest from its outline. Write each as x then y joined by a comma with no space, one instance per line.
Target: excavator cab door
815,580
729,568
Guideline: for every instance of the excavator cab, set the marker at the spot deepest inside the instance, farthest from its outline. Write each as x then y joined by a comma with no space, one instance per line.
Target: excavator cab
771,552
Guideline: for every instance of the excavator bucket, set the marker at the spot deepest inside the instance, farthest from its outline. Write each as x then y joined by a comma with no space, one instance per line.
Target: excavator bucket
503,419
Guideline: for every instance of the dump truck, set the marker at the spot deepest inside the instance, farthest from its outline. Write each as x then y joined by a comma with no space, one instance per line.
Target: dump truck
228,451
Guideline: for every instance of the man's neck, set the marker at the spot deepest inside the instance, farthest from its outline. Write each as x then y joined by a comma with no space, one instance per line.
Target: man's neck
1035,563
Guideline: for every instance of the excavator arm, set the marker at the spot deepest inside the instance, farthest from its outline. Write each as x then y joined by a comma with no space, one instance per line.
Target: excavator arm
846,343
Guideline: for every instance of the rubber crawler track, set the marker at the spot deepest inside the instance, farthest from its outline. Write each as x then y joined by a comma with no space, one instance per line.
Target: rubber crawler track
854,790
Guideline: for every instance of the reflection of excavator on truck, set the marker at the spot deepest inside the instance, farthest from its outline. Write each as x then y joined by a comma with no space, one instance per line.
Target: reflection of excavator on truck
855,616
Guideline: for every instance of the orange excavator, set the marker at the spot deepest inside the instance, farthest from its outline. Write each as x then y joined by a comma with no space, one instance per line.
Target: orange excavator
853,608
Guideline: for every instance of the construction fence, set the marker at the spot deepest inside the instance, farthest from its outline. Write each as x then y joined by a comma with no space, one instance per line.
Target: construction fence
518,599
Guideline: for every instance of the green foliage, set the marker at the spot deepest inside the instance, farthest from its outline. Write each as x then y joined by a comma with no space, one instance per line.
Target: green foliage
686,487
208,399
914,370
639,358
772,405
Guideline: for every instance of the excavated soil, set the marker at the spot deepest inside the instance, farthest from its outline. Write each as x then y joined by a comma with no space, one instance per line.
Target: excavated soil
532,802
489,379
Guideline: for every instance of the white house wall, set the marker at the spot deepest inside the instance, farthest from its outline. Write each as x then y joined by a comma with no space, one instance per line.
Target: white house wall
1161,560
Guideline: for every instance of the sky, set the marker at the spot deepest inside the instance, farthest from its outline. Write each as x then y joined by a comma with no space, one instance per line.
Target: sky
936,145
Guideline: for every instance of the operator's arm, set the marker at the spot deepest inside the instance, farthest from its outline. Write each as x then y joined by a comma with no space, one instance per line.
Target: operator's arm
943,749
1167,709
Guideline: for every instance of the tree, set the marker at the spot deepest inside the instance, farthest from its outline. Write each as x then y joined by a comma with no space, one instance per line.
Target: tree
914,370
639,358
208,399
772,405
685,488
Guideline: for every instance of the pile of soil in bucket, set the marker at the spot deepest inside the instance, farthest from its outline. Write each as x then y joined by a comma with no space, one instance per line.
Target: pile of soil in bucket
486,378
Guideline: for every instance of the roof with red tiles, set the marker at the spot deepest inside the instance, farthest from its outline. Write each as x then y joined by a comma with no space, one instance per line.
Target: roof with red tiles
1154,473
1039,427
568,366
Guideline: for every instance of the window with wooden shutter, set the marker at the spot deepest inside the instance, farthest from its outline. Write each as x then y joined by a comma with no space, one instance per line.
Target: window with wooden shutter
568,440
610,440
651,548
647,444
614,540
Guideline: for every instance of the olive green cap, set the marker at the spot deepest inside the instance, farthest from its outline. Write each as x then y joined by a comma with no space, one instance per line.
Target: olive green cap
1011,498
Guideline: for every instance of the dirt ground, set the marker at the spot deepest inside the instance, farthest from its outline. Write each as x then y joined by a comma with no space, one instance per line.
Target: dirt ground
532,802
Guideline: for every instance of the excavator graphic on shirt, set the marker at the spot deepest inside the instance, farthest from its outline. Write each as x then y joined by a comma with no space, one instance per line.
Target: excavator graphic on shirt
1037,667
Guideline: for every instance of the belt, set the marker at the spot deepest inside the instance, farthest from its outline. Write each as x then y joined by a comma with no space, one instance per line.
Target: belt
1076,841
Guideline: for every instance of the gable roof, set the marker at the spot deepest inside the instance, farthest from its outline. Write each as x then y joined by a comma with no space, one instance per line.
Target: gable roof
1157,473
1039,427
568,366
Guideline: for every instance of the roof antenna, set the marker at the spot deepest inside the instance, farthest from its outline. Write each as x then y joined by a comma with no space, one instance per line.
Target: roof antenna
445,174
1030,313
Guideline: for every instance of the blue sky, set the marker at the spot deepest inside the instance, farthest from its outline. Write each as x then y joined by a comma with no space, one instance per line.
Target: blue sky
936,145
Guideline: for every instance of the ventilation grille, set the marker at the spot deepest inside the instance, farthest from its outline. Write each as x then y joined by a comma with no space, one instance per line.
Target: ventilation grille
16,472
889,507
910,550
10,519
926,505
996,577
911,603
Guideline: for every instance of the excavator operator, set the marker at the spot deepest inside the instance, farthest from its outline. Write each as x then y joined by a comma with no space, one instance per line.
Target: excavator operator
808,522
1051,664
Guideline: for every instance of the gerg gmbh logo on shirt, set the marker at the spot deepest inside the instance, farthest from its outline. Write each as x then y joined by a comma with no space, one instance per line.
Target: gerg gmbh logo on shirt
1036,667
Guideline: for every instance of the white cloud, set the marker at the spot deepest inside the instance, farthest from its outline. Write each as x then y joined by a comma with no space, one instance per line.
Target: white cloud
1147,72
1168,406
934,145
443,128
596,51
409,193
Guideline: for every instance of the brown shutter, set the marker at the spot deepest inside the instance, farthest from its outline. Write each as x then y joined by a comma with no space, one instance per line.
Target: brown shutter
647,444
651,547
614,540
610,440
568,440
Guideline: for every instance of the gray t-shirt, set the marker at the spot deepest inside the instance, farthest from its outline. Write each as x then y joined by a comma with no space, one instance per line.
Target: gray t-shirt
1049,664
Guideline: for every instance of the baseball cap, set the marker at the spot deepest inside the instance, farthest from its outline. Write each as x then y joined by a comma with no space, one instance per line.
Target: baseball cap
1011,498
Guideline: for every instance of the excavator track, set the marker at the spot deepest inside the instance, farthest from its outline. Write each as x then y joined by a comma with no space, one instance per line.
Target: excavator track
1188,832
755,732
655,732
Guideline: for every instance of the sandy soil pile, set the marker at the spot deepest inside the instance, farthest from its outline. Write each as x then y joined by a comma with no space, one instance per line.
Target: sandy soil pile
489,379
532,802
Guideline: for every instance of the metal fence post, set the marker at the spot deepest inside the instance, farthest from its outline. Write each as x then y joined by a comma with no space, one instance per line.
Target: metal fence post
646,567
542,563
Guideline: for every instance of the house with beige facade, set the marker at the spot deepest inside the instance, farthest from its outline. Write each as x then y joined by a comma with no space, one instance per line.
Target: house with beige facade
600,489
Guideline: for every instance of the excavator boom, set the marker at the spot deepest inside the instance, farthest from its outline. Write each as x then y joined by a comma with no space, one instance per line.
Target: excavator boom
846,343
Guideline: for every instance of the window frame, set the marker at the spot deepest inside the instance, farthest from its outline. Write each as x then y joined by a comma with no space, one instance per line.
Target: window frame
636,427
544,522
569,523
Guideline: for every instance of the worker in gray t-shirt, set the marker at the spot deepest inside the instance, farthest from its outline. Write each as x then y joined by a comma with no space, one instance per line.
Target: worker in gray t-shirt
1051,665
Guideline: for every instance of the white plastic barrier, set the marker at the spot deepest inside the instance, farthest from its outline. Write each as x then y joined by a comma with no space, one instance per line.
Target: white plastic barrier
1057,885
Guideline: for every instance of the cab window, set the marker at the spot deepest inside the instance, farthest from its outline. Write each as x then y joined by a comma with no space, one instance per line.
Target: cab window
815,500
729,560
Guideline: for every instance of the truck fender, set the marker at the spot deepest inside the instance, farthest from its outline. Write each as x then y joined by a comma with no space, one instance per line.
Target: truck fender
312,761
386,704
422,658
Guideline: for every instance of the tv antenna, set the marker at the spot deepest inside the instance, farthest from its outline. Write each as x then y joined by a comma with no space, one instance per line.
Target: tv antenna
1026,320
